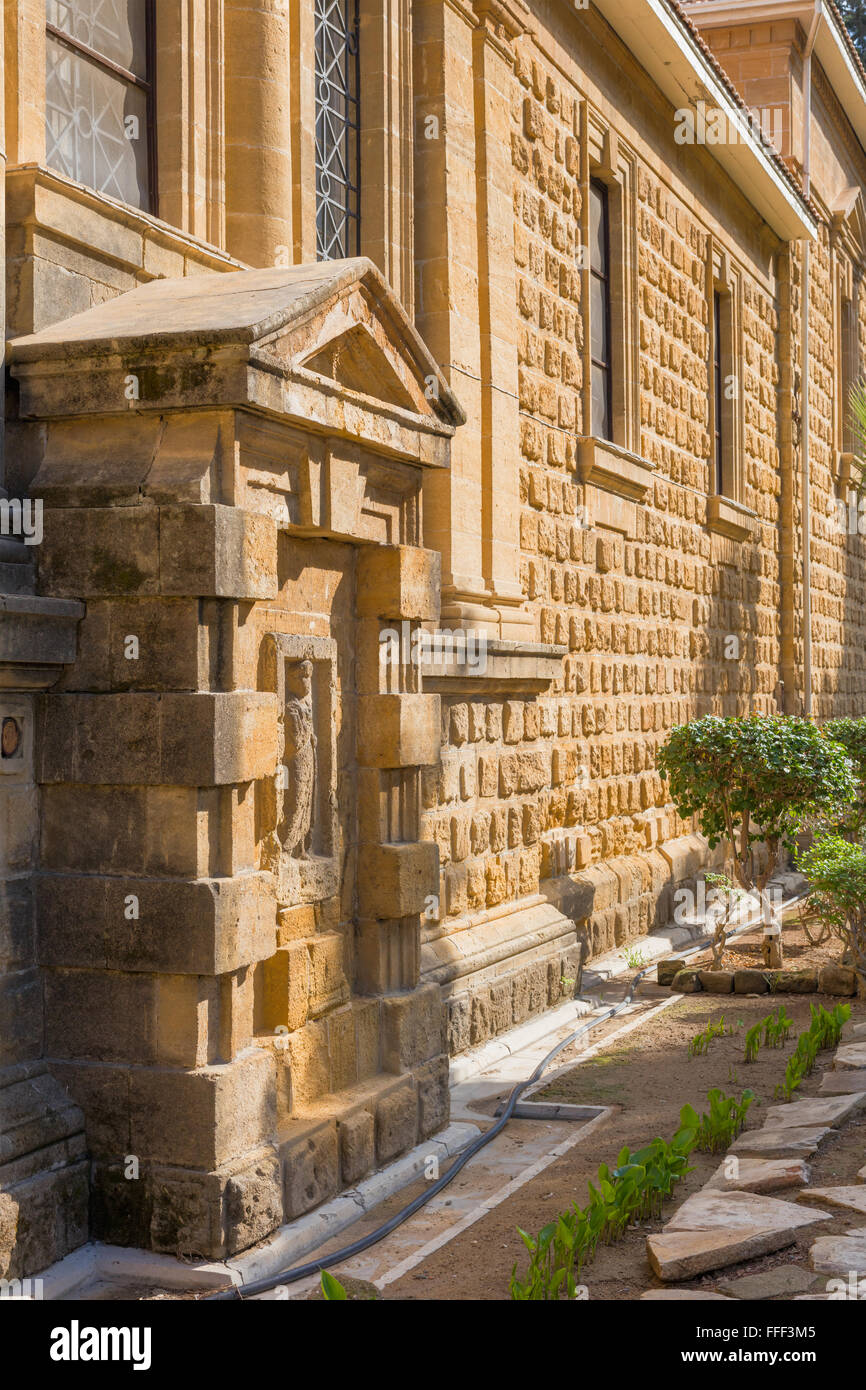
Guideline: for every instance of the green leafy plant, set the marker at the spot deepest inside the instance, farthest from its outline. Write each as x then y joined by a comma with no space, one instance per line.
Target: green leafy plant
836,870
717,1128
700,1043
752,781
633,1191
332,1289
774,1028
634,958
851,735
825,1030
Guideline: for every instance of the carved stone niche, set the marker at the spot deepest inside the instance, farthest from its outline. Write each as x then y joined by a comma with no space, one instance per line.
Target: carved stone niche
303,849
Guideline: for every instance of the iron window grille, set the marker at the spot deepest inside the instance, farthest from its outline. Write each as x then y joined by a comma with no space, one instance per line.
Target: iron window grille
99,96
338,152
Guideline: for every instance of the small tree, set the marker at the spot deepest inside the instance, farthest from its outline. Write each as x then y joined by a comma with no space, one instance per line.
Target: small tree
836,870
851,733
752,781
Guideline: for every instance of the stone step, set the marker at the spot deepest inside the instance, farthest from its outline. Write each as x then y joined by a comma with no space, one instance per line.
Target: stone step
783,1281
848,1198
822,1110
842,1083
850,1056
790,1142
841,1255
760,1175
714,1229
683,1296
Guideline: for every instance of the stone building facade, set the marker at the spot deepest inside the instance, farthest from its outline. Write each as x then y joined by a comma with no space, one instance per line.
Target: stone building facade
331,325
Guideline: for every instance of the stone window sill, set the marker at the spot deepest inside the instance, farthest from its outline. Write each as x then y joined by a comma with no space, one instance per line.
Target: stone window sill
502,666
729,518
613,469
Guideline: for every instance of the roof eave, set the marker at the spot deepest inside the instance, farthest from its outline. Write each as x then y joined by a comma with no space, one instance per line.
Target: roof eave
669,53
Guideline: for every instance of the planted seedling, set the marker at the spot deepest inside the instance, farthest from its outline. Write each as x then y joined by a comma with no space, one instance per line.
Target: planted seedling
633,1191
723,1122
700,1043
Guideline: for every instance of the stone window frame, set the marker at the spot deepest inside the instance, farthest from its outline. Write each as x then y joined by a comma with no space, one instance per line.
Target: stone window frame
727,512
607,161
848,251
724,280
612,465
385,138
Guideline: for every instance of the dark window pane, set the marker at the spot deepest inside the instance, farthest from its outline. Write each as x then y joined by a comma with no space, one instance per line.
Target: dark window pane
96,125
600,402
337,150
598,227
116,29
599,345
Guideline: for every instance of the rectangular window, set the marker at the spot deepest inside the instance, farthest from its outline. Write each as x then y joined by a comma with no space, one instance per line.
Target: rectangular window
601,358
718,397
99,95
337,130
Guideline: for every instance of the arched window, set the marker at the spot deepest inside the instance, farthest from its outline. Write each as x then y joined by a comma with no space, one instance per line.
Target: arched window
99,96
337,130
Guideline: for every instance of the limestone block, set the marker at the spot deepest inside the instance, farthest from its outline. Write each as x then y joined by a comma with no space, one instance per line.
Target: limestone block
50,1215
309,1065
396,1120
310,1162
226,1110
412,1028
283,996
398,581
100,1015
192,739
215,551
387,955
356,1133
398,730
131,923
90,552
394,880
328,985
167,654
434,1097
837,979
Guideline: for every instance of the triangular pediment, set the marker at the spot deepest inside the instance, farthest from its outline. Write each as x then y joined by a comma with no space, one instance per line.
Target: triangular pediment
355,361
335,326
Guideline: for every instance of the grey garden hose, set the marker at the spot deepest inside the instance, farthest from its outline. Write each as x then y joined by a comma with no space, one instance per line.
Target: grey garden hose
291,1276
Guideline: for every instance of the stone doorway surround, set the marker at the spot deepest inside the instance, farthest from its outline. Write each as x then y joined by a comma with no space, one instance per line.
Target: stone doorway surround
231,873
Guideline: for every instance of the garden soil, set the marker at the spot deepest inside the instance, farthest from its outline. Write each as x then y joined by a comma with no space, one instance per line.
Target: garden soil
647,1076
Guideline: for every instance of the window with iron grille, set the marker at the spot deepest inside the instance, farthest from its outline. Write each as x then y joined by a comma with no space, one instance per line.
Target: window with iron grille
337,142
99,123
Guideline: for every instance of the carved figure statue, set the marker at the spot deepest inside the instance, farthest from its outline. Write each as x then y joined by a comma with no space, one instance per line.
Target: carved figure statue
299,759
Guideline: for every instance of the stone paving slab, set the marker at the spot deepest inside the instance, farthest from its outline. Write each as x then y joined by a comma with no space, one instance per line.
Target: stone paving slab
791,1142
850,1198
771,1283
840,1255
820,1110
760,1175
861,1176
683,1295
714,1229
842,1083
850,1056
